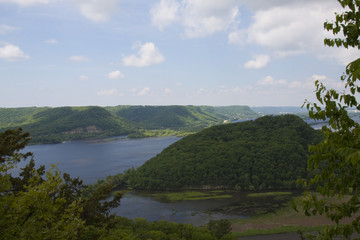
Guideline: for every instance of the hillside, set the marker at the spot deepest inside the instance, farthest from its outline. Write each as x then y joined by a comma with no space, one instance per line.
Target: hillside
232,112
267,153
14,117
168,117
50,125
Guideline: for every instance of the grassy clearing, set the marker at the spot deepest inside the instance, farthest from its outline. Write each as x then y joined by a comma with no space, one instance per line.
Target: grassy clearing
268,194
189,195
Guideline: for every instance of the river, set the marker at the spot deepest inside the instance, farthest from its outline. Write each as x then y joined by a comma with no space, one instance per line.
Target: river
93,160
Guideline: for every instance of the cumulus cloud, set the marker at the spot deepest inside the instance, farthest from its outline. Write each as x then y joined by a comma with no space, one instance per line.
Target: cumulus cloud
4,28
205,17
164,13
148,54
98,10
198,17
269,80
115,75
260,61
109,92
238,37
12,53
291,28
79,58
25,3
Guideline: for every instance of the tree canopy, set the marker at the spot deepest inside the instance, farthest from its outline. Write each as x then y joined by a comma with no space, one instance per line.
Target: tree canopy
337,157
266,153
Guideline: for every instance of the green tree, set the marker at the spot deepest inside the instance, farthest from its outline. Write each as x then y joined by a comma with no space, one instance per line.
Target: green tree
220,228
336,159
37,212
45,205
30,205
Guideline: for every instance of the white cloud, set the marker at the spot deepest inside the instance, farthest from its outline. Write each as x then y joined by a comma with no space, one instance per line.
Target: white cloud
198,17
12,53
51,41
269,80
83,77
24,3
238,37
292,28
148,54
98,10
115,75
78,58
164,13
7,29
205,17
260,61
109,92
318,77
144,91
300,85
342,55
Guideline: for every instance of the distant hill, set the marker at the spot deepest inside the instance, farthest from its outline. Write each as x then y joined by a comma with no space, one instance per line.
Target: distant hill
168,117
67,123
232,112
267,153
50,125
14,117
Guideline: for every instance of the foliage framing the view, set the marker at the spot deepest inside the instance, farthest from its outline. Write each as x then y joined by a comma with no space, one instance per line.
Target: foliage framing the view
337,158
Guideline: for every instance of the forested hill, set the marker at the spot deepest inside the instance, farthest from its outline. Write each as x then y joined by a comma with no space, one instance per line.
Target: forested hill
50,125
66,123
168,117
267,153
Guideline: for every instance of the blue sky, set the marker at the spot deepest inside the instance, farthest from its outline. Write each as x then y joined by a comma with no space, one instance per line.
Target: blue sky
166,52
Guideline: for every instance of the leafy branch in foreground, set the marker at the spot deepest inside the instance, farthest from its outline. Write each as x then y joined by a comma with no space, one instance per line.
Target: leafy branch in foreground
337,157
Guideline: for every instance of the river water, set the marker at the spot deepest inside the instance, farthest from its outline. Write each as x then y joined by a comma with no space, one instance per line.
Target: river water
93,160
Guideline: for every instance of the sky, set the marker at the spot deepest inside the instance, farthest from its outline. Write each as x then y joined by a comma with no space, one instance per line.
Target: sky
166,52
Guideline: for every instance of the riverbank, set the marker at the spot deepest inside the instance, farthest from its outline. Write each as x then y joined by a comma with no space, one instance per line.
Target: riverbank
285,223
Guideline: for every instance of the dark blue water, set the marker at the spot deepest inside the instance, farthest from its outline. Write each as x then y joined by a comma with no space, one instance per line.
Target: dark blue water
92,160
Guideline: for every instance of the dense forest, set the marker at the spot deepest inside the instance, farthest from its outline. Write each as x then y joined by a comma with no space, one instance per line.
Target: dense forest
51,125
267,153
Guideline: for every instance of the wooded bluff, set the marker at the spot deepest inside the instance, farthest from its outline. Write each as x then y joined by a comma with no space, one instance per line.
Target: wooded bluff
53,125
267,153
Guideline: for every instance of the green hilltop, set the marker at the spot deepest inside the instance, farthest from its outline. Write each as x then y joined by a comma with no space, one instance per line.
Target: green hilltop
52,125
267,153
